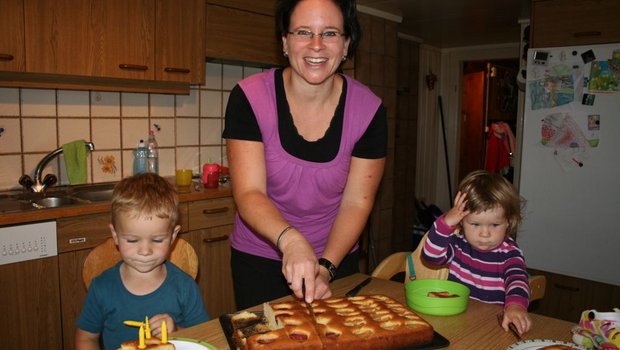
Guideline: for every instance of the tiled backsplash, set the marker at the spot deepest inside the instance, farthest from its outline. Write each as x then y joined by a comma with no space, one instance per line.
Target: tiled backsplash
188,128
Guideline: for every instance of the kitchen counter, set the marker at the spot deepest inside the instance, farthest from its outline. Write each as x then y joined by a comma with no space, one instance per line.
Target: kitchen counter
197,192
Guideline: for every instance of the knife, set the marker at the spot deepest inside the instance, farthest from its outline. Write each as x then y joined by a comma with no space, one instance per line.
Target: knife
511,326
356,289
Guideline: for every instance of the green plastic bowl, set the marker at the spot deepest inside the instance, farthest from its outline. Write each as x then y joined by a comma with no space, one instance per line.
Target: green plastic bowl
419,300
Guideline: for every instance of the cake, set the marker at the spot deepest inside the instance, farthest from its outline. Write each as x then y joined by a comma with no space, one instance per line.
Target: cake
359,322
151,344
558,347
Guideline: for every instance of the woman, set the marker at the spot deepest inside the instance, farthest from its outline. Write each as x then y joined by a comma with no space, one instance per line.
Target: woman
306,149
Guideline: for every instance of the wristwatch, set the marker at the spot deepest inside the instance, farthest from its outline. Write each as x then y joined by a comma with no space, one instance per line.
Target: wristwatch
331,268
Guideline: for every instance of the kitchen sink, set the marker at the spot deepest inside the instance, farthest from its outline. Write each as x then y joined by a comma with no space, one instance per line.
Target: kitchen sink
95,195
54,202
56,197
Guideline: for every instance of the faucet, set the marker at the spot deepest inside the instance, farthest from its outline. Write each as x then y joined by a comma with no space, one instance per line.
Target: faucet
37,185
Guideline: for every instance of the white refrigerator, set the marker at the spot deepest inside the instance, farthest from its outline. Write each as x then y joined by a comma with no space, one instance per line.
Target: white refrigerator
570,168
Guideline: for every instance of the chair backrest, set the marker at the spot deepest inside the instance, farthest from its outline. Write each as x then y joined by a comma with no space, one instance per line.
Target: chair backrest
106,254
396,263
390,267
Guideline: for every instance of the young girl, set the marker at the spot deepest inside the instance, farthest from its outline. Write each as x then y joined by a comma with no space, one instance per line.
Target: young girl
476,240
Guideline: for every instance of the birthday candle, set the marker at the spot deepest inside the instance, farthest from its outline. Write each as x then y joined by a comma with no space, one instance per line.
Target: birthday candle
141,344
164,333
147,327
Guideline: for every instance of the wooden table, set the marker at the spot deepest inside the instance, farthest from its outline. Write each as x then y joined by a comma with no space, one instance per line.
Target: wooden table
476,328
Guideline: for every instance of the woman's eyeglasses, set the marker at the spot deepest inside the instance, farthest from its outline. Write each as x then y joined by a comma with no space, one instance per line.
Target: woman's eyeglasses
328,36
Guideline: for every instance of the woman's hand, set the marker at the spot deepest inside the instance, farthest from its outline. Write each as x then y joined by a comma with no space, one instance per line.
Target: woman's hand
458,212
518,316
300,267
156,321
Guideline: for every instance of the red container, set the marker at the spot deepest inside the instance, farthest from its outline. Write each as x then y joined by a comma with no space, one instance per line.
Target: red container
211,175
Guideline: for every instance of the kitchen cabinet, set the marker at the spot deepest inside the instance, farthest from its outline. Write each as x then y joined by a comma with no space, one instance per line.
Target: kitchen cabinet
12,57
141,45
112,38
180,41
76,237
210,226
239,35
567,297
574,22
30,304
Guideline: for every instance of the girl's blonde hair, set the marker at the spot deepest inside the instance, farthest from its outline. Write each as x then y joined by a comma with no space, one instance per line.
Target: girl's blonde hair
491,190
145,195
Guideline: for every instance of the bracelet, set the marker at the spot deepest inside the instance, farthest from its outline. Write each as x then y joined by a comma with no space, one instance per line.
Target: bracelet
282,235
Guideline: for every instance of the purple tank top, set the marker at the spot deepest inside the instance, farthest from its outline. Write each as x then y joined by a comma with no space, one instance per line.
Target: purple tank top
308,194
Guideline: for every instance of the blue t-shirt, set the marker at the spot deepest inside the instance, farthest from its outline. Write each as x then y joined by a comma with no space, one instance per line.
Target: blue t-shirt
108,303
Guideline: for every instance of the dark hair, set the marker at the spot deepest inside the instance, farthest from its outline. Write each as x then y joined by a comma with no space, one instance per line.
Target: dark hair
352,28
490,190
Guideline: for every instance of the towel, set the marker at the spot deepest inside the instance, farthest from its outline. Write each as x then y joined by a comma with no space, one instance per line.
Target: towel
75,161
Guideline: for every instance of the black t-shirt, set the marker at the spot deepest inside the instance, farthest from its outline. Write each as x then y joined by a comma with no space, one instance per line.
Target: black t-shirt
241,124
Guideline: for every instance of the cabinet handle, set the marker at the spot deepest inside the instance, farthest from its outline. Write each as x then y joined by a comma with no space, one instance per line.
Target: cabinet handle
6,57
132,66
176,70
587,34
568,288
215,239
215,210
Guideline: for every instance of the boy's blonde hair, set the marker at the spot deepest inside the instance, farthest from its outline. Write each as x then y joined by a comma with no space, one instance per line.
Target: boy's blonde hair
145,195
491,190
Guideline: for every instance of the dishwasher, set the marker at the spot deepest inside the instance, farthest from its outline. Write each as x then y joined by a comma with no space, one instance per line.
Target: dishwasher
27,242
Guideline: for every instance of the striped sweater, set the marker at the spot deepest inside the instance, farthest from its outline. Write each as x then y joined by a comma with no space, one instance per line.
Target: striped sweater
498,276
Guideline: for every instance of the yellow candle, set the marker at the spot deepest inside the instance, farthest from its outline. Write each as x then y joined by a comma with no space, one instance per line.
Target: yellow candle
133,323
164,333
147,327
141,344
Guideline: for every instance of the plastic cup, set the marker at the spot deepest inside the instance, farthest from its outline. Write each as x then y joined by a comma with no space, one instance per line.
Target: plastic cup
183,179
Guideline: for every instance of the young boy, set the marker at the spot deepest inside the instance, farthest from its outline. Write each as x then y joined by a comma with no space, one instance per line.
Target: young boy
143,284
475,239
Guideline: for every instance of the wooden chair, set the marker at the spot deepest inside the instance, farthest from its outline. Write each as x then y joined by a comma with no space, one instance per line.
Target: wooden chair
106,254
395,267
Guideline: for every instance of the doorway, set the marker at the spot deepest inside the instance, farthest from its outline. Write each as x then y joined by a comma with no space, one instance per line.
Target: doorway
488,116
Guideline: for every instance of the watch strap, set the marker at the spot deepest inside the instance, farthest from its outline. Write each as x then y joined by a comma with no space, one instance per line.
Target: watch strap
331,268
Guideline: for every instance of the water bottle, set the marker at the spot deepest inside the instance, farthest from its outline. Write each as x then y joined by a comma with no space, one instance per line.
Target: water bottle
139,158
152,163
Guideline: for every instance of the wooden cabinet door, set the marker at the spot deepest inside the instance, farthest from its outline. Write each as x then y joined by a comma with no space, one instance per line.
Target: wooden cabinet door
12,38
242,36
59,36
112,38
212,246
180,40
125,39
574,22
72,293
30,304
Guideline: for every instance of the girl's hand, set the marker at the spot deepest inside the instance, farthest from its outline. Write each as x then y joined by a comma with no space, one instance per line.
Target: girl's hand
518,316
156,321
458,212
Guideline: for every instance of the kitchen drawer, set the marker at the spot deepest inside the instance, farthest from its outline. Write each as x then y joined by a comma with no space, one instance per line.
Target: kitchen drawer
82,232
574,22
211,213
